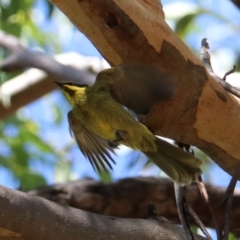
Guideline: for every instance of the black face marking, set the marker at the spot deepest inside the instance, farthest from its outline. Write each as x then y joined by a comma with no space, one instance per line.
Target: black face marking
69,91
75,84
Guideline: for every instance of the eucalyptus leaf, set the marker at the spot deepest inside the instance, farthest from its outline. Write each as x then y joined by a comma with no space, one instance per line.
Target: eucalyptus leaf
31,180
36,141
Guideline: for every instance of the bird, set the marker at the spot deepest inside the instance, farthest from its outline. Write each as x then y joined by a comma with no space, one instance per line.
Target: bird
100,119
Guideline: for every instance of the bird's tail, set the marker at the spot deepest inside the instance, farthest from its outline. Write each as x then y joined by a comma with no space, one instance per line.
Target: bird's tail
181,166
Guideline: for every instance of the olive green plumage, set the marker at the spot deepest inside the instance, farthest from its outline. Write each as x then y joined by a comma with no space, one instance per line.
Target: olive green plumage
100,121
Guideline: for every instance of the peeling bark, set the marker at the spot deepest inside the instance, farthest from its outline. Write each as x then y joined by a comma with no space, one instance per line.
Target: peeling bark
135,31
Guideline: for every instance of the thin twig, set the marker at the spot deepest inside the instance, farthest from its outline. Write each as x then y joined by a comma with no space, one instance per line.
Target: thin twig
227,201
206,59
229,72
222,226
227,218
198,222
179,194
187,208
203,190
231,185
206,199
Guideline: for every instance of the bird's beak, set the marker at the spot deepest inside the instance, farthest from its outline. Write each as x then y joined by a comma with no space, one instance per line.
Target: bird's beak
60,84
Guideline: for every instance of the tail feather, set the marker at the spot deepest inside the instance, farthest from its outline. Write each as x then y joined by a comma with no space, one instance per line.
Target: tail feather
181,166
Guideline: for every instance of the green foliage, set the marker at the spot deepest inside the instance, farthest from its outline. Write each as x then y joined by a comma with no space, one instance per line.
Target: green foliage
18,19
63,170
238,63
186,24
232,237
24,148
13,15
105,176
57,113
31,180
16,134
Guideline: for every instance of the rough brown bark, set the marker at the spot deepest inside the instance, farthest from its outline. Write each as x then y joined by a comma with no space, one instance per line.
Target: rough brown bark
136,31
129,198
27,217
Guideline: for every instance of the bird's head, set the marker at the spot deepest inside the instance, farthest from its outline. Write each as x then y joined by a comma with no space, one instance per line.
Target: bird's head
72,90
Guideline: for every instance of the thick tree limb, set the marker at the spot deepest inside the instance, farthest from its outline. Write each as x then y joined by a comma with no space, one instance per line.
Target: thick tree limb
130,197
27,217
201,110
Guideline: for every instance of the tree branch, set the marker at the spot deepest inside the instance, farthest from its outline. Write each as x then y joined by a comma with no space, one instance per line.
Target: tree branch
27,217
34,83
237,3
206,59
117,199
136,31
21,58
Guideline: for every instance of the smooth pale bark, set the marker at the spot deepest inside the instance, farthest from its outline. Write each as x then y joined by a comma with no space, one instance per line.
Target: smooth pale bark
201,113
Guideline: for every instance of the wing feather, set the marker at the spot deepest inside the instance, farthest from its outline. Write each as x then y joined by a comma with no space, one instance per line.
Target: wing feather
139,87
94,148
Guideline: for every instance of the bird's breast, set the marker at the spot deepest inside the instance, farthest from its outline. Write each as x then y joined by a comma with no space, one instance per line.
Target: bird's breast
105,117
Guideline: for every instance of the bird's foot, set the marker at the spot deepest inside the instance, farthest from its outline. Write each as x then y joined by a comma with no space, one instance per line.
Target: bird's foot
120,135
113,144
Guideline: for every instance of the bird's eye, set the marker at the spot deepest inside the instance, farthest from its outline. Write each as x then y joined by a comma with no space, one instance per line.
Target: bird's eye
77,84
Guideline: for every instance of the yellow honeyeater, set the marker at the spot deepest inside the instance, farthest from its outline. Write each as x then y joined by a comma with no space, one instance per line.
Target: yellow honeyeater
100,121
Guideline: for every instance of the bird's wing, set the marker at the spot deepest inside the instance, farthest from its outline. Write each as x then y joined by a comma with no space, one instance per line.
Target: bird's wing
139,87
95,148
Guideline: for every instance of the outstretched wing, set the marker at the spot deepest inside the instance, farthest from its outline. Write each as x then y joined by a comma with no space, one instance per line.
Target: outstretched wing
139,87
95,148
